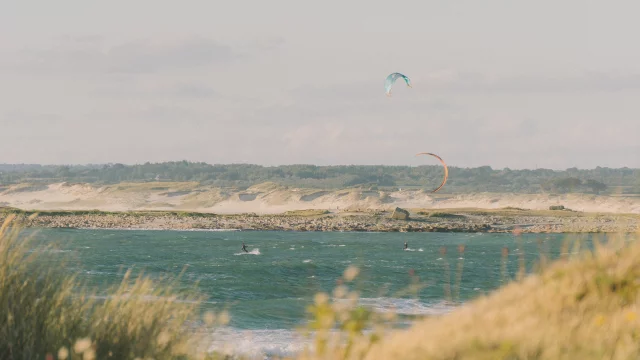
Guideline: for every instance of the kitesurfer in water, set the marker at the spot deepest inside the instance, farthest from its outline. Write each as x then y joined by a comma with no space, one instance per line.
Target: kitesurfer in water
244,247
406,246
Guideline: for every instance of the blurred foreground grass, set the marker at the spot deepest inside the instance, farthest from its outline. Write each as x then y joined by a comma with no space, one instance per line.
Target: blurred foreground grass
46,314
585,305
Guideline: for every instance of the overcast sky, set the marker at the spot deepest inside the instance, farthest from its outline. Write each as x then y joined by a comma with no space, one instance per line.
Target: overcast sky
551,84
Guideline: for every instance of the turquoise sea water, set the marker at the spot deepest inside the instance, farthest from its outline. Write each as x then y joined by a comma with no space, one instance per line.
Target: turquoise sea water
268,288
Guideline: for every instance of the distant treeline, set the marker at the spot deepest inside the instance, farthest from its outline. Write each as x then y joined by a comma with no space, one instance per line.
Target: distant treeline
461,180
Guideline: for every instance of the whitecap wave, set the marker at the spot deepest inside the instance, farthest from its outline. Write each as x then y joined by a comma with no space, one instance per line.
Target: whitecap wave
406,306
52,251
258,344
252,252
278,343
95,272
149,298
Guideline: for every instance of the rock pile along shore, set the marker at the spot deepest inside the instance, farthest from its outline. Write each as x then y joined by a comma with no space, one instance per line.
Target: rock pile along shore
336,222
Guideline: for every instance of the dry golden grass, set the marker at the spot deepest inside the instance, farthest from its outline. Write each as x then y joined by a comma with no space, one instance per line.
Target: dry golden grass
586,307
268,186
46,314
24,187
37,309
156,186
204,199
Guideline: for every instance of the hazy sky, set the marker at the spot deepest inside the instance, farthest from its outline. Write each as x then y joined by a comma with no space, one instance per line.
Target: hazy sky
544,83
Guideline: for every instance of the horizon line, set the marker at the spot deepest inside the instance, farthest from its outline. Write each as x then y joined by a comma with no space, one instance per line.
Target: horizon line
304,164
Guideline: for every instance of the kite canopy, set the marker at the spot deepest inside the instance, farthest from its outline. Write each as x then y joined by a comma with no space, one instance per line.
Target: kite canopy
391,79
446,169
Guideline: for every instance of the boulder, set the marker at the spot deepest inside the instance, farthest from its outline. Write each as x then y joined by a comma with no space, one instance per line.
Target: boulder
400,214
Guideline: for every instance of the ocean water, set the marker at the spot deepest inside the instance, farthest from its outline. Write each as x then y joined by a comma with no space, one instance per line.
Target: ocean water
268,289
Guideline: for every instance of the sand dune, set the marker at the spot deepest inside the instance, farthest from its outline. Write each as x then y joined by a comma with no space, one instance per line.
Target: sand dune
270,198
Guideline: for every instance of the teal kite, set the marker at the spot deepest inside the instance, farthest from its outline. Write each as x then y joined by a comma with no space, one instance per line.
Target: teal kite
391,79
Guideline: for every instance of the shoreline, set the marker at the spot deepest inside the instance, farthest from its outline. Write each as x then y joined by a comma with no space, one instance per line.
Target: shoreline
444,220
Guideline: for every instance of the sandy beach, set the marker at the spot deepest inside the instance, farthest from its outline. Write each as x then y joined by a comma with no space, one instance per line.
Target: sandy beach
188,206
269,198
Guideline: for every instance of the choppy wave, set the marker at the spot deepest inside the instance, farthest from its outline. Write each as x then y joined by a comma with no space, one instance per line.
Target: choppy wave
258,344
406,306
95,272
49,250
252,252
270,344
149,298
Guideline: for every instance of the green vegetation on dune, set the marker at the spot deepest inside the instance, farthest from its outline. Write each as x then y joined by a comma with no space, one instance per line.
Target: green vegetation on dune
440,214
308,212
461,180
509,211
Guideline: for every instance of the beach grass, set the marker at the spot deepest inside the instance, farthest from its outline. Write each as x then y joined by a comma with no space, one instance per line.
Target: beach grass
47,314
585,305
